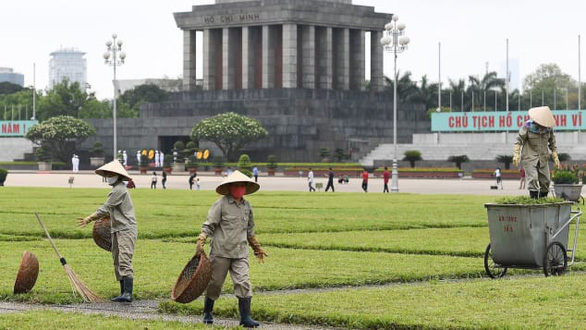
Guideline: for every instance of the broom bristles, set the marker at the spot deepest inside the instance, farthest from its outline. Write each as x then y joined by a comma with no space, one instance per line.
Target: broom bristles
86,293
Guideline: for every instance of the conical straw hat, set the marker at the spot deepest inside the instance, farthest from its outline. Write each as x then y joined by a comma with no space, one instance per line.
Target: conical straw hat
542,116
237,176
114,167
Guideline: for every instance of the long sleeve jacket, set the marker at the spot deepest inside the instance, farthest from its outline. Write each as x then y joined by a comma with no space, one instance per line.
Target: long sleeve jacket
229,225
120,209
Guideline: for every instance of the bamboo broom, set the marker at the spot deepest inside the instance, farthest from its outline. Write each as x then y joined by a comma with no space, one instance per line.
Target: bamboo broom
87,294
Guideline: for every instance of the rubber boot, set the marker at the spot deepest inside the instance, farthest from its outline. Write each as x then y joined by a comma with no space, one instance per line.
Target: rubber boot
127,295
533,194
543,194
245,319
121,290
208,307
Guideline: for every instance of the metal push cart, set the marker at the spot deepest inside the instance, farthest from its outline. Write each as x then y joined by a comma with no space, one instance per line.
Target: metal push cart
530,236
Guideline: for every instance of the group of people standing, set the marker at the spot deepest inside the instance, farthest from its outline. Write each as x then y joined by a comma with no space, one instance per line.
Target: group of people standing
330,185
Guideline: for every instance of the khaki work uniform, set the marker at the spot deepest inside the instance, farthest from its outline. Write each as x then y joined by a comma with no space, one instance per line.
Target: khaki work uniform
536,141
229,225
124,230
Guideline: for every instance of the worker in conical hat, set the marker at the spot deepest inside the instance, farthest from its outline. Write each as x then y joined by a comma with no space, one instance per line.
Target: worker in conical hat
230,225
124,231
536,138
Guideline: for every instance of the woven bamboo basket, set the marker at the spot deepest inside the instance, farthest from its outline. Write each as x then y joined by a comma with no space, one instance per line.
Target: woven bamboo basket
102,233
27,273
193,280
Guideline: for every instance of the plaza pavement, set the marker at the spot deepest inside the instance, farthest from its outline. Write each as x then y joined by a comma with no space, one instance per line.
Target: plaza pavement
87,179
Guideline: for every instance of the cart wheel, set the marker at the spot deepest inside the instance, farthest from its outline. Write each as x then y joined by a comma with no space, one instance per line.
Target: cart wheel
555,260
493,269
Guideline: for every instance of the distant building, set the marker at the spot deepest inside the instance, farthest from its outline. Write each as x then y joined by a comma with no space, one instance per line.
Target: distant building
68,63
8,75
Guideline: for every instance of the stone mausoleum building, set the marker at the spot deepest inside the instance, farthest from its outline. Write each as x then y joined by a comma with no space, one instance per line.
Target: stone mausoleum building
297,66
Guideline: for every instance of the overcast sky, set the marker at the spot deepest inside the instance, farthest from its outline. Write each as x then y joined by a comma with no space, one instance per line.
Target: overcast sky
472,32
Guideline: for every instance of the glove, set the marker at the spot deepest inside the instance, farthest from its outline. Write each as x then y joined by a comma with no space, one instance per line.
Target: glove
556,160
258,251
201,241
82,222
516,155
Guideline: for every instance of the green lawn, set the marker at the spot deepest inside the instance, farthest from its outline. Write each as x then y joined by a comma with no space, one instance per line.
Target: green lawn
429,248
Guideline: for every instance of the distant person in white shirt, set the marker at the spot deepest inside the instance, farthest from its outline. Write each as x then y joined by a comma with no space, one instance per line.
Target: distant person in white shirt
310,180
497,174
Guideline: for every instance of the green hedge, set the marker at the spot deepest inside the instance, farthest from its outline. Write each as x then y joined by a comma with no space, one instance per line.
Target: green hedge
425,169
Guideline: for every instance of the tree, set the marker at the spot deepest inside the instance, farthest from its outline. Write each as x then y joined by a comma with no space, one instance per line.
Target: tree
64,99
9,88
59,135
131,100
458,160
412,156
229,131
505,159
546,81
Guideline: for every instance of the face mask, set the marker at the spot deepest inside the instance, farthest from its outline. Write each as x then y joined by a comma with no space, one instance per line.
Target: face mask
112,180
237,192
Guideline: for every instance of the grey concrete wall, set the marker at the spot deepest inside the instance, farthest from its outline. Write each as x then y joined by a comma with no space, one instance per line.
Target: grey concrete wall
300,122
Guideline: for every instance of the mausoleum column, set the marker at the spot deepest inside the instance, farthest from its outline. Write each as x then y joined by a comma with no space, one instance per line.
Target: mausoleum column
209,78
376,61
324,56
247,59
308,53
189,54
290,55
268,58
229,45
357,59
342,64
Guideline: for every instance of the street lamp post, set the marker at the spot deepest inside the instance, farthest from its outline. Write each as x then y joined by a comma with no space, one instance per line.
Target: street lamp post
114,56
392,43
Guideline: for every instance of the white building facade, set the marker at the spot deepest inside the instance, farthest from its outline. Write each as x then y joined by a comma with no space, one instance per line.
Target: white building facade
68,63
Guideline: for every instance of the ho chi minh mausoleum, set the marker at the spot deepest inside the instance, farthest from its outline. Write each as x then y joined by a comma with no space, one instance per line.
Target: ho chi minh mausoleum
297,66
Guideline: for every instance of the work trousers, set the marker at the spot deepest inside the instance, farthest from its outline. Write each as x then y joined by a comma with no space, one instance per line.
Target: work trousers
122,251
537,177
238,268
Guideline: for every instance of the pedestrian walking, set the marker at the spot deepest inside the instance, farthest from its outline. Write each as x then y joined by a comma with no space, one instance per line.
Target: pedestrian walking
124,231
386,177
365,180
255,173
191,181
522,180
330,180
535,139
310,180
164,179
499,180
154,180
230,224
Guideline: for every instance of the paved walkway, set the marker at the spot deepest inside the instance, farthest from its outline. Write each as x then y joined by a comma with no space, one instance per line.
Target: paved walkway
87,179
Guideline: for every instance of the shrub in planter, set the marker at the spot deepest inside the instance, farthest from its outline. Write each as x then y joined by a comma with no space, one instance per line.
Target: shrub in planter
271,165
565,185
3,175
459,160
144,164
97,154
167,163
244,165
412,156
192,164
218,165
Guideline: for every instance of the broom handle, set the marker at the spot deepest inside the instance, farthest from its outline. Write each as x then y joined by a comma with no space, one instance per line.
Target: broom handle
50,239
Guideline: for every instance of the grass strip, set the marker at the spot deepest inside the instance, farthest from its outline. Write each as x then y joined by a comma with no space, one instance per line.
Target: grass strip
528,303
157,265
34,320
176,213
